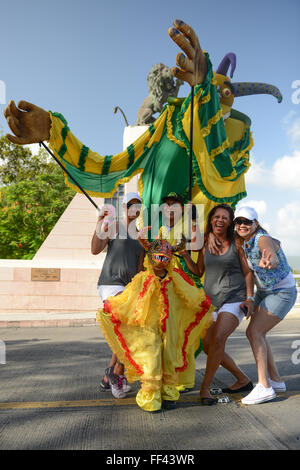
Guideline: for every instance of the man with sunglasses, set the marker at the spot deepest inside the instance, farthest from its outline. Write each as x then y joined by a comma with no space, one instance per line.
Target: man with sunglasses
124,259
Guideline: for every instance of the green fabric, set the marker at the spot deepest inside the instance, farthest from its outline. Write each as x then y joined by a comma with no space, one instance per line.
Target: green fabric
200,348
130,150
195,278
82,157
165,164
106,165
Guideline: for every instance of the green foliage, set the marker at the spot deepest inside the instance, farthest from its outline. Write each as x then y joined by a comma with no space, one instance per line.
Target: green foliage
32,198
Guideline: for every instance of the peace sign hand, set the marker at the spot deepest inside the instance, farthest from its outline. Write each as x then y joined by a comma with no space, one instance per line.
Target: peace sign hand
265,261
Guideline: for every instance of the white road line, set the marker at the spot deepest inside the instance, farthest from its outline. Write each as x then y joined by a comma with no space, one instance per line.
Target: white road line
269,336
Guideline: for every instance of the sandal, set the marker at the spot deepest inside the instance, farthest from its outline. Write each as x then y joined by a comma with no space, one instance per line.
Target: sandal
105,386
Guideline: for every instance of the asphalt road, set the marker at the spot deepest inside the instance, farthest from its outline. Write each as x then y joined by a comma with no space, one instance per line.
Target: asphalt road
50,398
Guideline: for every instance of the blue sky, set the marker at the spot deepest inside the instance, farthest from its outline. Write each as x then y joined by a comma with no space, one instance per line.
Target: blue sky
83,58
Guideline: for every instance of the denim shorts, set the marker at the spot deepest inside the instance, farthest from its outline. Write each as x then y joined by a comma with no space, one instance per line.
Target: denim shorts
277,301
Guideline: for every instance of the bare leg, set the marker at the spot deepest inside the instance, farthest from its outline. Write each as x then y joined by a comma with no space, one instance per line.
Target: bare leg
225,325
272,369
114,362
119,368
227,362
259,325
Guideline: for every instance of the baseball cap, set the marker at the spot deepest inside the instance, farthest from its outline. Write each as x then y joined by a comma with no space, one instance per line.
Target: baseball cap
247,212
174,196
130,196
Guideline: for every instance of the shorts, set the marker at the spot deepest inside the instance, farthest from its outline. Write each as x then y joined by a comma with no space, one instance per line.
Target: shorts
108,291
233,308
276,301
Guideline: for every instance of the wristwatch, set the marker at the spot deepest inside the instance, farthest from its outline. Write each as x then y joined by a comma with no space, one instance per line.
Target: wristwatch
250,297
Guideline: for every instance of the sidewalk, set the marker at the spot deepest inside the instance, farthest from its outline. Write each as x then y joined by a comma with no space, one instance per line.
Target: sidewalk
46,319
53,319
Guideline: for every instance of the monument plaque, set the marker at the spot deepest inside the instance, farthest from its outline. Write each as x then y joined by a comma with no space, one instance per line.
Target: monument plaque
45,274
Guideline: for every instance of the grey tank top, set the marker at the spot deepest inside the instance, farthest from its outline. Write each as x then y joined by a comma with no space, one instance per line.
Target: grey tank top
224,280
121,261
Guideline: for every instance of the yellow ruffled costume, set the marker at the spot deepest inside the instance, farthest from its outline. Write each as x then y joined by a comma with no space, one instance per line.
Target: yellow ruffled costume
151,327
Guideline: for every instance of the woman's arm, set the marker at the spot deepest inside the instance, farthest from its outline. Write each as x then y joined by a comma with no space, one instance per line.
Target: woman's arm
200,262
141,261
195,268
100,237
192,266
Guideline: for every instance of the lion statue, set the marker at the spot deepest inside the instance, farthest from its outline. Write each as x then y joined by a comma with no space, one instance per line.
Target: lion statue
161,84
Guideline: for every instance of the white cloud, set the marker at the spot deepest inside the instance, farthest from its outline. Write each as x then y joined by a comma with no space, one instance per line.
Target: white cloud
286,120
287,227
257,173
294,131
285,172
291,124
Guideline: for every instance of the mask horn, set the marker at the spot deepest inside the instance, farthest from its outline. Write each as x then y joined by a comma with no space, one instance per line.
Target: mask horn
228,60
253,88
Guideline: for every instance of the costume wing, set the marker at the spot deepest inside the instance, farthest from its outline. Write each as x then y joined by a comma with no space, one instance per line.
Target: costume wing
161,154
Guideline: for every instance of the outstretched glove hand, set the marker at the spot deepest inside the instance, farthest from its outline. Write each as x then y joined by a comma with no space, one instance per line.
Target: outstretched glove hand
29,123
193,68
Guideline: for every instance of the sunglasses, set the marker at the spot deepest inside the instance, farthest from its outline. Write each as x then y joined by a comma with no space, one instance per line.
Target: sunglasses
129,204
247,222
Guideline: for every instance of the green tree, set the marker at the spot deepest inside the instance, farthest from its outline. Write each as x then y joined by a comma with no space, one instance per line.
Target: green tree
33,195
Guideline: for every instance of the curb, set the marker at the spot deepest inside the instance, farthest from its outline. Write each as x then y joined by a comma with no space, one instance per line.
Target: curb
48,323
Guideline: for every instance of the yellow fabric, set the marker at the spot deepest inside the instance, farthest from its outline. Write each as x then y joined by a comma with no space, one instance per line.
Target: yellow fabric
219,187
215,185
94,162
186,379
151,327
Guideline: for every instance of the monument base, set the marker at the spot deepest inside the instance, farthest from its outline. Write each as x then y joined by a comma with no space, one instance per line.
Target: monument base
45,286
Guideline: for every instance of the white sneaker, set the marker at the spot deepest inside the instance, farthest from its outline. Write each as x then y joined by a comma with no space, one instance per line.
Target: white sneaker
125,385
116,386
278,386
259,394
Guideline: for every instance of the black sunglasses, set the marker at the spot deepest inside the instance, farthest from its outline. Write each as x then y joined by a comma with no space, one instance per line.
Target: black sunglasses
137,204
247,222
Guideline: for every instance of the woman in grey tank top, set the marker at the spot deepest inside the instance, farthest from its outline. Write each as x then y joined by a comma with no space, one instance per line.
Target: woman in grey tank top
124,259
229,284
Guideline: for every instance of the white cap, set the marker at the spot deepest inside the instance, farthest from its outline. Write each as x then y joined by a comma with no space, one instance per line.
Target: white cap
129,196
247,212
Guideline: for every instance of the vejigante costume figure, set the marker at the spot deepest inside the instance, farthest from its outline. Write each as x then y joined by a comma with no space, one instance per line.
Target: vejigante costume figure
153,325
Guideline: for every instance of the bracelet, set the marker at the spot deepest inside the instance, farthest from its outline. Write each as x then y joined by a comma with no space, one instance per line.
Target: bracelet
250,297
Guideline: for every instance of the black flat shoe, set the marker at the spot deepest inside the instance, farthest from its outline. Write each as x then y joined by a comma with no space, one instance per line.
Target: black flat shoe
205,401
245,388
186,390
169,404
